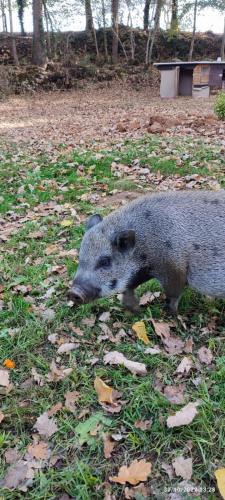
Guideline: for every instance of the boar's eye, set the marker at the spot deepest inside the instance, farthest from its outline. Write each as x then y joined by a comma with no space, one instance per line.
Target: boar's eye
104,262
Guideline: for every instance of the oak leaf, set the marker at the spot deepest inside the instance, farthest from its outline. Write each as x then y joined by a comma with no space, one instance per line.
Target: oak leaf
140,330
136,472
220,477
183,416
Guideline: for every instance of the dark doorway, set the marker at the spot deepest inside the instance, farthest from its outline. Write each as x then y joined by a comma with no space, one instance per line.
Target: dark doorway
185,82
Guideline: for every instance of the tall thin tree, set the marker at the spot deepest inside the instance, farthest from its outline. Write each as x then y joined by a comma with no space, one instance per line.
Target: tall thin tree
104,28
223,44
21,6
3,14
14,51
38,55
89,17
146,14
150,46
193,31
115,29
174,15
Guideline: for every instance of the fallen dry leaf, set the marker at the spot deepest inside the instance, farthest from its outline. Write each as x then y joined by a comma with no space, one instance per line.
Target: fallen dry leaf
174,393
183,467
144,425
183,416
53,338
2,416
71,398
37,377
168,469
48,314
105,317
153,350
51,249
148,298
57,373
109,445
205,356
4,378
161,328
188,348
67,348
45,426
89,321
40,451
117,358
173,344
12,455
113,408
16,475
136,472
140,330
220,477
105,393
141,490
76,330
55,409
185,365
66,223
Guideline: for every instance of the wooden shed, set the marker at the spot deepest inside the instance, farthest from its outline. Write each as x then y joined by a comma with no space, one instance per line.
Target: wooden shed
195,78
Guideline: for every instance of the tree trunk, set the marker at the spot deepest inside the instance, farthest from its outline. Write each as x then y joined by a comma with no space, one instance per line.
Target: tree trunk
4,19
146,14
193,32
89,17
223,44
115,28
104,29
174,16
14,51
38,55
21,6
155,29
48,38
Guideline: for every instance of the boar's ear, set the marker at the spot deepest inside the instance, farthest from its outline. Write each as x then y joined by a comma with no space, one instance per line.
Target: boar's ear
94,219
124,240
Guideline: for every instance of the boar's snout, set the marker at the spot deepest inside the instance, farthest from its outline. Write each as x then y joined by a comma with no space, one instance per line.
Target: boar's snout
82,292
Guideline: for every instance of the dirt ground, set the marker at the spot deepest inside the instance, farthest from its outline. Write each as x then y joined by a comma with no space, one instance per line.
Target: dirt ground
103,114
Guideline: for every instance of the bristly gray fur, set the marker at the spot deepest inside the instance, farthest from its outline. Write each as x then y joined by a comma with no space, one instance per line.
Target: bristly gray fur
179,240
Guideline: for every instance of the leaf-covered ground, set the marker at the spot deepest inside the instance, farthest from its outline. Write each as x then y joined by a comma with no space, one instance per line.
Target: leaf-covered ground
59,438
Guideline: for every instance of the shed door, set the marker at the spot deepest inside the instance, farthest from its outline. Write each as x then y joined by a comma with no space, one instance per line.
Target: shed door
186,82
169,82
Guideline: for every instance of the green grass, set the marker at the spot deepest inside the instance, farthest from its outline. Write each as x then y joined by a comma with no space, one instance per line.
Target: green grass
80,471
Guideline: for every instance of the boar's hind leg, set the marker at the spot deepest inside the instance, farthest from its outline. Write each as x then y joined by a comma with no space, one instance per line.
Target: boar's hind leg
176,281
130,300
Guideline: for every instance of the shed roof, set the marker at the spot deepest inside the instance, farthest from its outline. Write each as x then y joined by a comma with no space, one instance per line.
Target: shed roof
188,63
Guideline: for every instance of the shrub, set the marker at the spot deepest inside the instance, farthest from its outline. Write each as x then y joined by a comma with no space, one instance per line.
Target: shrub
220,105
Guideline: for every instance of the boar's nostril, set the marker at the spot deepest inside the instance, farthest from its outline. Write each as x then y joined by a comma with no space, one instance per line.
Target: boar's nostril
77,295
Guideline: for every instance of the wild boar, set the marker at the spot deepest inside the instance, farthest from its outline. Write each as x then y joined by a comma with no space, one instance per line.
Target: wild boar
176,237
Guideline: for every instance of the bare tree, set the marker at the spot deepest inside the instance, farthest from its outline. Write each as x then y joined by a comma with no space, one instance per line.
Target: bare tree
115,28
4,19
193,31
21,6
38,55
104,28
89,17
174,15
14,51
223,44
152,36
146,14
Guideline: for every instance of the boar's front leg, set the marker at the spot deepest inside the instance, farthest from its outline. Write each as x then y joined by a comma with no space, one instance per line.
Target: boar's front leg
175,283
130,300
